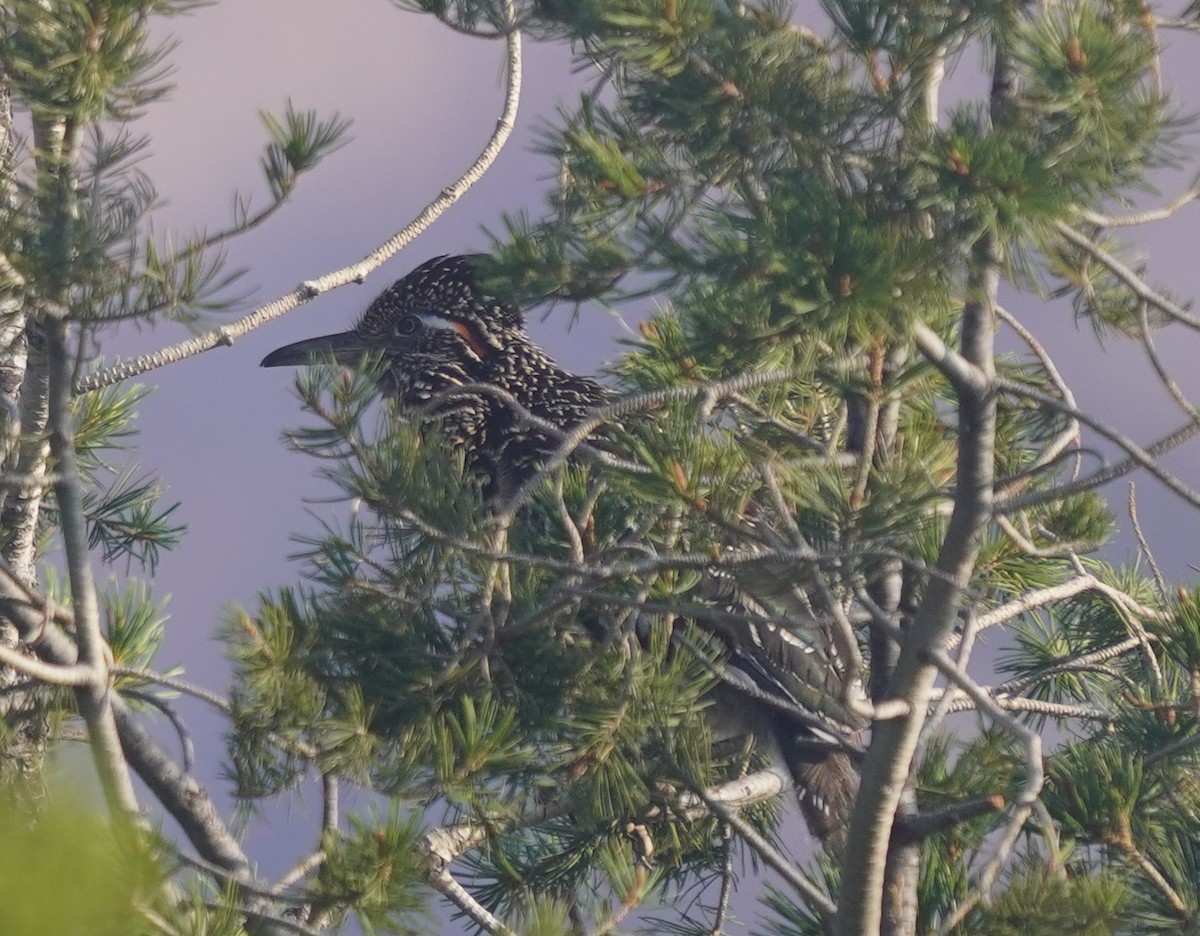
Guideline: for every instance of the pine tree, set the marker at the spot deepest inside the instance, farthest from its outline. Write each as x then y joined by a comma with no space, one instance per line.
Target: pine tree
816,414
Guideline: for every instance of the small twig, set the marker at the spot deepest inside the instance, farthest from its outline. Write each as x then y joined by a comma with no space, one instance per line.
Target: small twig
447,843
1030,548
1148,868
965,645
728,559
708,393
726,880
1180,23
1035,774
250,886
1131,614
1160,581
770,855
1040,597
1136,284
922,825
568,522
1170,750
1034,778
1137,456
441,880
178,685
1083,663
1160,368
329,803
1037,706
845,641
1142,217
1071,433
187,747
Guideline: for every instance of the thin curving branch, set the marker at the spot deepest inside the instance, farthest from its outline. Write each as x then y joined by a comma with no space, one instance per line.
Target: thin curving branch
1070,434
1138,457
178,685
1035,777
186,745
1142,217
770,855
354,273
1160,368
1138,286
1160,580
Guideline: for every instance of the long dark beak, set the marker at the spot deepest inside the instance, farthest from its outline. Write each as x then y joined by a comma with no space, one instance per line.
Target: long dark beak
344,348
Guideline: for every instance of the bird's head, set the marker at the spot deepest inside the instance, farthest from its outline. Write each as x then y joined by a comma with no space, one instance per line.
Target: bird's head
435,328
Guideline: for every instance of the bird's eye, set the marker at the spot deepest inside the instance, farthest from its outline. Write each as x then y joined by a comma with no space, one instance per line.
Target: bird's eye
407,325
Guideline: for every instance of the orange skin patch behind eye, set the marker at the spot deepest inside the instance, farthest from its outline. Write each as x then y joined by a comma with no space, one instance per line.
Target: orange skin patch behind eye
481,350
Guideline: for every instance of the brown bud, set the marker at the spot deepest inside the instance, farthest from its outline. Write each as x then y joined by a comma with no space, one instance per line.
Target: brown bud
1076,57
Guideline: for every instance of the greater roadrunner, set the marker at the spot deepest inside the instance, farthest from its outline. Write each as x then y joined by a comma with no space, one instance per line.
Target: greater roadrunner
444,342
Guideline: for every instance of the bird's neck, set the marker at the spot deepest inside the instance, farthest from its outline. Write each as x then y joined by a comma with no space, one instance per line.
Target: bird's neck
544,388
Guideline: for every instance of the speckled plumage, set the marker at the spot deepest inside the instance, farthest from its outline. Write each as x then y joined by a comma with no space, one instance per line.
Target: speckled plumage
439,331
444,341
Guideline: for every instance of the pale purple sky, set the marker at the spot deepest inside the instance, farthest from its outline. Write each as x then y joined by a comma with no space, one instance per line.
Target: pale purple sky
423,100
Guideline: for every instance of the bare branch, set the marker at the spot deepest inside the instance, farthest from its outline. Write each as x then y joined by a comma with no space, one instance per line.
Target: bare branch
1136,284
170,682
1030,548
187,747
1037,706
770,855
708,393
923,825
1160,368
1142,217
354,273
1035,776
181,795
441,880
1070,433
298,873
1081,663
963,375
1148,868
845,641
1138,456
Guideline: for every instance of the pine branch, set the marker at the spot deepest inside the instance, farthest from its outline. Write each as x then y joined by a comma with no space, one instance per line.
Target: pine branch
1138,457
1136,284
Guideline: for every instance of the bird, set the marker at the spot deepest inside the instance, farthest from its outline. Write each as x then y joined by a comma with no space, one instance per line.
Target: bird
460,357
443,342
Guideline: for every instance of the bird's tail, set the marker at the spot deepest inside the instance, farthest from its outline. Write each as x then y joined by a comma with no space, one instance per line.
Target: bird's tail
782,680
